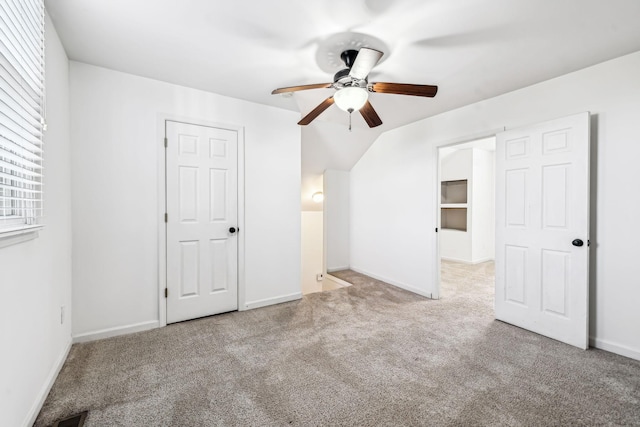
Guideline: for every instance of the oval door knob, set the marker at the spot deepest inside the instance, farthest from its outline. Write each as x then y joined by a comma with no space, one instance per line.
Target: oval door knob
232,230
577,242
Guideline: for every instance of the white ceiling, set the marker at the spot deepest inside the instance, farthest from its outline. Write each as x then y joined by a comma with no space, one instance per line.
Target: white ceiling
471,49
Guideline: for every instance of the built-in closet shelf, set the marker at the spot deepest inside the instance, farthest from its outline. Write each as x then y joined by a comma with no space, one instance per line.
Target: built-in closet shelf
454,191
454,218
453,205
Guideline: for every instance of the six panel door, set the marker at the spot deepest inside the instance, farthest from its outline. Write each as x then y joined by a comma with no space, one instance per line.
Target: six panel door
542,215
202,208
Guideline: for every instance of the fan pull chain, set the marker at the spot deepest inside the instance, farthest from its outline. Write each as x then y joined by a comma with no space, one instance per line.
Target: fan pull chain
350,111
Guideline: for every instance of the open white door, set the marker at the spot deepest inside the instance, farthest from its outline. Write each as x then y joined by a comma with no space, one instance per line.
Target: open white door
542,228
202,211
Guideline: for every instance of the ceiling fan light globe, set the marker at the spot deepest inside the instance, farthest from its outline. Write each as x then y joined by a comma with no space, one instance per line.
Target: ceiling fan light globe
351,98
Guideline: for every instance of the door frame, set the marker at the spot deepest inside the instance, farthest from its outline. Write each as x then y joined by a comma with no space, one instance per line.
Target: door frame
438,195
162,118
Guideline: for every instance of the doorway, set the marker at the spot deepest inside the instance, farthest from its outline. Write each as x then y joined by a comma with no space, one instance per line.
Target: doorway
541,225
325,229
201,220
467,219
312,247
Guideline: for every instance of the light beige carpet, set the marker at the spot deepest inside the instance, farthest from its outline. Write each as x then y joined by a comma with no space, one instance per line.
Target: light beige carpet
365,355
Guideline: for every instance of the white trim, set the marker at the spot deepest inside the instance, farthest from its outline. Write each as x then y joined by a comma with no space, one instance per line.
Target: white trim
20,229
30,419
162,118
622,350
471,138
396,284
271,301
18,236
116,331
242,289
162,208
464,261
481,260
331,270
436,227
324,232
338,281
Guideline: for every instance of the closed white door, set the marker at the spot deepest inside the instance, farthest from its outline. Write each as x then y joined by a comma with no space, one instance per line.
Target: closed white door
542,228
202,218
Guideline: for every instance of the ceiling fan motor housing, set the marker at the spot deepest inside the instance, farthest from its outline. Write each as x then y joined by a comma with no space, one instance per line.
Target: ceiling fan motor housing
342,77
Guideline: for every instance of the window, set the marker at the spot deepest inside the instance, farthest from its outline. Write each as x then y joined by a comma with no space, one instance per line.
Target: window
21,114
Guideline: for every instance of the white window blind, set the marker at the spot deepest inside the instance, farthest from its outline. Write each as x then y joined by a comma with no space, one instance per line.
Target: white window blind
21,113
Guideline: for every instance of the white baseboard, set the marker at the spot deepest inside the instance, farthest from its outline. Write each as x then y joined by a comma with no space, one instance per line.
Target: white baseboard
614,348
270,301
114,332
46,388
464,261
332,269
394,283
336,280
481,260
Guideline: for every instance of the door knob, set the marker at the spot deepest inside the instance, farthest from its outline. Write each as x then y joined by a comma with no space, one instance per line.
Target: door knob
232,230
577,242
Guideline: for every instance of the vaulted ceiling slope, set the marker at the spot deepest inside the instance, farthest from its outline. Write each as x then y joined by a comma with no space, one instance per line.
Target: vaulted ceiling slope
471,49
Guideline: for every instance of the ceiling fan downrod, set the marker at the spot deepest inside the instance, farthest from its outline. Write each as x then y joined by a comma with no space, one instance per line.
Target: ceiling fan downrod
342,76
349,57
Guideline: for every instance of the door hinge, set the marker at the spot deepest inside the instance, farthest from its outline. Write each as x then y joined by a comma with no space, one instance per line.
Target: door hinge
166,217
166,142
166,292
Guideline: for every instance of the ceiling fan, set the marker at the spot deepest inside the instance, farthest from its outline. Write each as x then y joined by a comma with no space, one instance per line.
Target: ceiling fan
352,88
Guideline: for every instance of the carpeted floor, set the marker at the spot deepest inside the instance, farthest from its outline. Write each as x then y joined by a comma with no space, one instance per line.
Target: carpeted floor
365,355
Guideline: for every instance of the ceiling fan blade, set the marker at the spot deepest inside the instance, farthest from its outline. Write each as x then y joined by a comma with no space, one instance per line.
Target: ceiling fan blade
316,111
404,89
302,87
365,61
370,116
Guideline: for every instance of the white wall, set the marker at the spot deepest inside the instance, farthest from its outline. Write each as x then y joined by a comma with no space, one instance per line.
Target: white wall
36,275
393,210
483,230
115,168
312,249
456,165
336,213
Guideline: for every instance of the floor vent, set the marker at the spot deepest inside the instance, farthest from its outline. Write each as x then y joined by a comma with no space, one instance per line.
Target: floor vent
73,421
